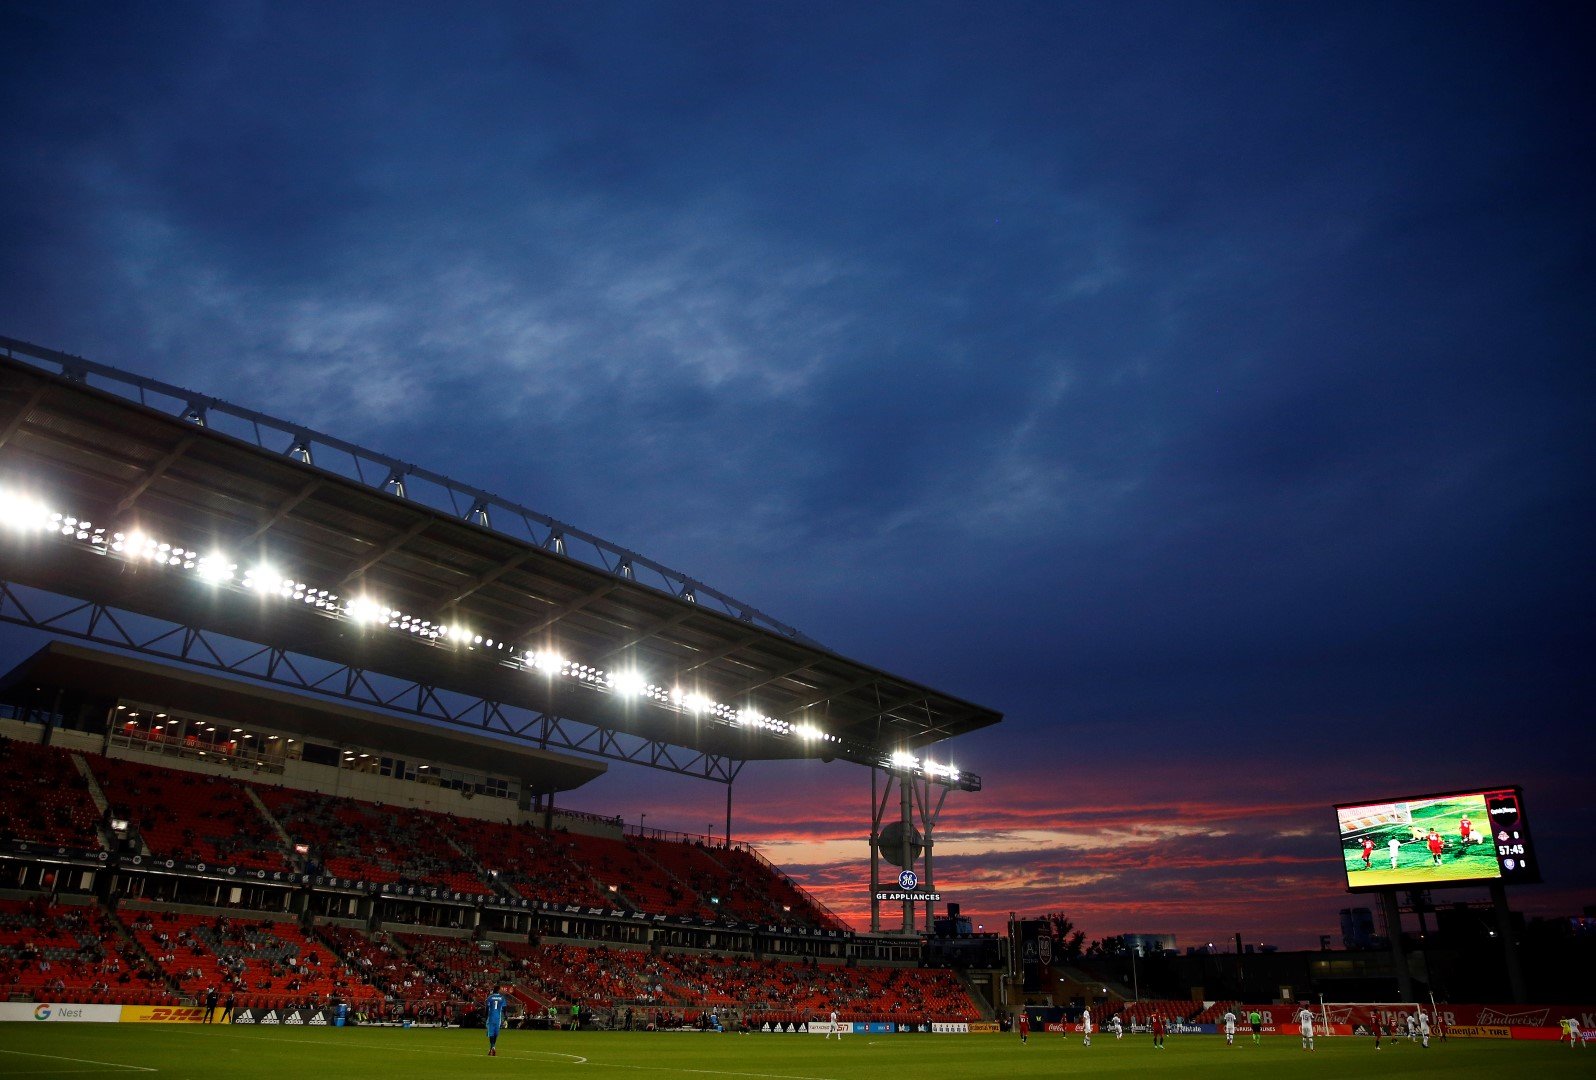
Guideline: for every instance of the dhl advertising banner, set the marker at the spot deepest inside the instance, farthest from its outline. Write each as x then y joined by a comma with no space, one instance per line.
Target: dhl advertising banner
162,1014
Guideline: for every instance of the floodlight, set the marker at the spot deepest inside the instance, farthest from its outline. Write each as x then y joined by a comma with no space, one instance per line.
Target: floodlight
21,512
629,683
902,759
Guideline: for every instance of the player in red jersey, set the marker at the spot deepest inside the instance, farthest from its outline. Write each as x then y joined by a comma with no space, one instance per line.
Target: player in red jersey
1368,851
1435,844
1465,831
1025,1026
1158,1031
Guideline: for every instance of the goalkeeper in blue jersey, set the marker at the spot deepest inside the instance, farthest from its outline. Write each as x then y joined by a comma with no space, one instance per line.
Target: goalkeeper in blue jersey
493,1019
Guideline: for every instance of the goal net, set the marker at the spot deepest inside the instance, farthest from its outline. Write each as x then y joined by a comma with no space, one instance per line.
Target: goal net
1366,1017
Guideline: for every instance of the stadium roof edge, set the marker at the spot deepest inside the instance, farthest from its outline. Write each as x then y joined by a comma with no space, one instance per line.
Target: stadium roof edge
123,458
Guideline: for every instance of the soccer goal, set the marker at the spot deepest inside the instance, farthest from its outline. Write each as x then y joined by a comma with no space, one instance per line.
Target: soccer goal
1365,1017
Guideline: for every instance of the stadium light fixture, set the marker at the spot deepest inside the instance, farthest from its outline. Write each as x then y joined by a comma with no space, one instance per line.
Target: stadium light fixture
21,511
628,683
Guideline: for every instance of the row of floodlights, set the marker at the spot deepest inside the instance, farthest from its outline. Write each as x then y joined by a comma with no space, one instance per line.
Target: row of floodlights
26,514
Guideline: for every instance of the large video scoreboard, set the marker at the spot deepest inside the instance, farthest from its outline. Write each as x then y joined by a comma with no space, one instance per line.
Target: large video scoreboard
1429,841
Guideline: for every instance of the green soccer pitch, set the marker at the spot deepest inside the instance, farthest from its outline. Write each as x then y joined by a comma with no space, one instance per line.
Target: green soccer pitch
188,1052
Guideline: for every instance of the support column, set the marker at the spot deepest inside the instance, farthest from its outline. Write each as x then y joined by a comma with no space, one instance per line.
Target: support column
1393,930
906,815
1504,930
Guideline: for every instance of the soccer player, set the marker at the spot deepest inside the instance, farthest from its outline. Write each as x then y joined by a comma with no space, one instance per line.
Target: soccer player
1158,1031
1394,845
1572,1023
1435,844
1413,1028
1086,1026
1424,1029
1305,1022
1230,1028
1465,831
834,1030
1025,1026
1117,1026
1255,1018
1368,850
493,1018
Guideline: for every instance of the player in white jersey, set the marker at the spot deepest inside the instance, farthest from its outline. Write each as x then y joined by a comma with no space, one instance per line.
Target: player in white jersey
1574,1040
1394,846
1424,1029
1230,1028
1086,1026
1305,1021
834,1029
1117,1026
1413,1029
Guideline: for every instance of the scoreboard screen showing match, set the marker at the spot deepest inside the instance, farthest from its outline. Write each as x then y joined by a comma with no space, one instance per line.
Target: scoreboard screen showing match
1428,841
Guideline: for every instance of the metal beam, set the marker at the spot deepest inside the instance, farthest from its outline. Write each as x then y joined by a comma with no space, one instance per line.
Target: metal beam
65,616
154,473
355,462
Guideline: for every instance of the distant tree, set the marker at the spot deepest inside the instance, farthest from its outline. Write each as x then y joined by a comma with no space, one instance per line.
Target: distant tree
1068,943
1113,945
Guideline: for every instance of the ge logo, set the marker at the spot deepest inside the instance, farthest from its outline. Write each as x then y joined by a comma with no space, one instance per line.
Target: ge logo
908,881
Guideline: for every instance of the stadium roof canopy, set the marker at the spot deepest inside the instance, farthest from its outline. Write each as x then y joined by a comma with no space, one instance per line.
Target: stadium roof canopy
87,671
225,521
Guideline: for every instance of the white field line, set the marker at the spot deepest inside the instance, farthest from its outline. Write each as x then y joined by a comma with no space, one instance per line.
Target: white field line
80,1061
575,1059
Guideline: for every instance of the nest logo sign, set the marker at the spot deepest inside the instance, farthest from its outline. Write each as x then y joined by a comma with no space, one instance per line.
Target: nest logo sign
42,1012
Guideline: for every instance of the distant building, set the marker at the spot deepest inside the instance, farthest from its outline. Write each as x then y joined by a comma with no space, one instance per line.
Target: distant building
1357,928
1149,944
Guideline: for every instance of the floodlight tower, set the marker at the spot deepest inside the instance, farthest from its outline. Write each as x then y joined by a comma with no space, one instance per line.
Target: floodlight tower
902,842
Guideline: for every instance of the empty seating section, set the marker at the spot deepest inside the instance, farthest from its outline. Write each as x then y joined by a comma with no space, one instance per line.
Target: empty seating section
716,889
640,880
785,901
533,863
764,989
1142,1012
45,799
84,954
369,842
212,819
260,962
191,817
1214,1013
74,953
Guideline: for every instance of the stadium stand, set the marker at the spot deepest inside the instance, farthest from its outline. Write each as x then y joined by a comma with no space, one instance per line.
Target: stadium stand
533,863
52,951
1142,1012
186,816
46,799
369,842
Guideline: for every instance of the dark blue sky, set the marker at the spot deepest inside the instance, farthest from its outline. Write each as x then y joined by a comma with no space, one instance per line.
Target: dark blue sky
1207,387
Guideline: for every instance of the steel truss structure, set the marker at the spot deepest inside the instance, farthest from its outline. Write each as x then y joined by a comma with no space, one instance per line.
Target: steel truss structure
196,647
385,473
136,453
